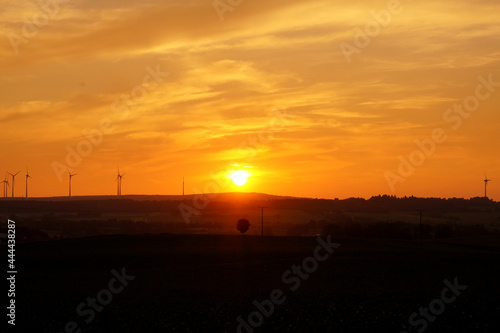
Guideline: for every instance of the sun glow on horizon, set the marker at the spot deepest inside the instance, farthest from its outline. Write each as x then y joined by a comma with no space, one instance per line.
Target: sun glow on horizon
185,95
239,177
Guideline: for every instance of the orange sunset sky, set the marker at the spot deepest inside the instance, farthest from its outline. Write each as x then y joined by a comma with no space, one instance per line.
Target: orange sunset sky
85,66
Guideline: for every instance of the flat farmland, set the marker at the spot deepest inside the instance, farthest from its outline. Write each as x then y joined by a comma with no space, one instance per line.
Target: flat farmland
204,283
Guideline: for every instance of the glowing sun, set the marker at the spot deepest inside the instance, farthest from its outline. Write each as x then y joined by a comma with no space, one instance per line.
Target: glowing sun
239,177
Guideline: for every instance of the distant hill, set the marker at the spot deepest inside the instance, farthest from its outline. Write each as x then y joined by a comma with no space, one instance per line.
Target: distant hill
379,216
239,200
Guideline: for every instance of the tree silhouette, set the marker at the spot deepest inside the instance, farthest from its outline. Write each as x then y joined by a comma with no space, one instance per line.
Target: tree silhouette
243,225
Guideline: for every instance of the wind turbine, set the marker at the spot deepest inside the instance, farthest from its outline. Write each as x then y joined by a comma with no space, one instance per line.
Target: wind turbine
70,176
486,180
5,185
27,176
119,183
13,180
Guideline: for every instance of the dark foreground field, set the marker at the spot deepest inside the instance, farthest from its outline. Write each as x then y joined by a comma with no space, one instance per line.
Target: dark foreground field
201,283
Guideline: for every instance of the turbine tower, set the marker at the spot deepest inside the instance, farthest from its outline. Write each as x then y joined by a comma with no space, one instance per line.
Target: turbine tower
27,176
486,180
5,185
70,176
119,183
13,181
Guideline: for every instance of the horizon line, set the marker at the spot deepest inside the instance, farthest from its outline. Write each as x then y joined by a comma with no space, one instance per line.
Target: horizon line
232,193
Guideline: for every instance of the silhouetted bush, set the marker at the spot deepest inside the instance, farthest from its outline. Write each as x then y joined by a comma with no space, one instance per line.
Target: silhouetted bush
243,225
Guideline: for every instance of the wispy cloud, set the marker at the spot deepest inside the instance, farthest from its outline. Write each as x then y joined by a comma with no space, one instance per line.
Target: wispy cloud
225,78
